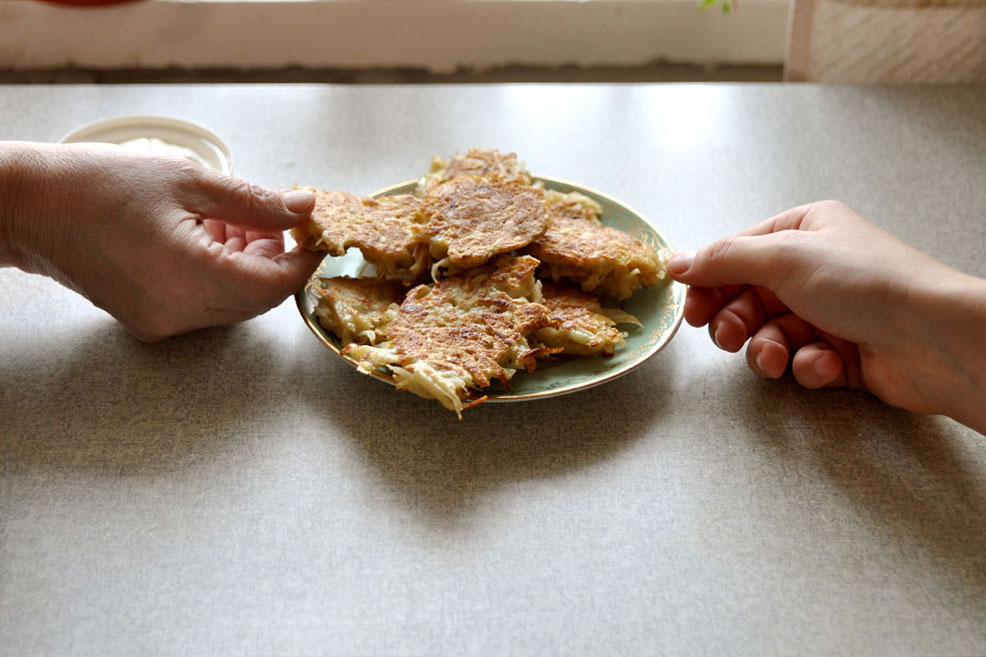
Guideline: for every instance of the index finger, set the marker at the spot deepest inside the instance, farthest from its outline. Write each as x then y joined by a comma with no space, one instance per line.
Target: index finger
702,303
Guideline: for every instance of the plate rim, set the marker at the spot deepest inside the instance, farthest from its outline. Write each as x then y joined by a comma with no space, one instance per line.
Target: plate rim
301,298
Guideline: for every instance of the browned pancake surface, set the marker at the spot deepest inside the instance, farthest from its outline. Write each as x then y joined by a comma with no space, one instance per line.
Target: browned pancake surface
464,331
600,259
380,228
472,321
578,323
572,205
358,309
470,220
484,163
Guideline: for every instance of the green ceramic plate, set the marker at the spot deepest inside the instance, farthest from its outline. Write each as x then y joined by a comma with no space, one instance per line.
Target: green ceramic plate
658,308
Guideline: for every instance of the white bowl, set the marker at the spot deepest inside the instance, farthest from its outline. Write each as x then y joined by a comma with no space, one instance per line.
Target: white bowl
159,134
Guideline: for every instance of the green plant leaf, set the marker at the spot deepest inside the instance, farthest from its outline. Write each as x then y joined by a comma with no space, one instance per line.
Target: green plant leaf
725,5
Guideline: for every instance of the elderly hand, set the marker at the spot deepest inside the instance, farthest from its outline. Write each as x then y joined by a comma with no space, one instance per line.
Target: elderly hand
842,302
164,245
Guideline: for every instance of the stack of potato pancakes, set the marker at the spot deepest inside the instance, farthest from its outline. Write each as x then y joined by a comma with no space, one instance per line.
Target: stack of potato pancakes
480,273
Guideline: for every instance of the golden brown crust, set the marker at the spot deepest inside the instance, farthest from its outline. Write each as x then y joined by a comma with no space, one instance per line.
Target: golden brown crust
330,213
488,316
470,328
485,163
573,205
470,220
380,228
578,325
358,309
599,258
472,321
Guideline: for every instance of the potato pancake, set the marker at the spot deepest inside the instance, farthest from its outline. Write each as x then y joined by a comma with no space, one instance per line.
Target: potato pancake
573,205
518,275
600,259
470,220
358,309
485,163
579,323
451,339
380,228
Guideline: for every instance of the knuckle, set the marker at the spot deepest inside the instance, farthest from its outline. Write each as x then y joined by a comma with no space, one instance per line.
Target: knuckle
191,180
830,205
190,169
257,200
191,173
721,248
239,187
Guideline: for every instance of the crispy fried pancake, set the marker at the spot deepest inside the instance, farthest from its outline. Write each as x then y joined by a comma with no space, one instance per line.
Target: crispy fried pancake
470,220
488,317
380,228
573,205
579,323
452,338
358,309
600,259
485,163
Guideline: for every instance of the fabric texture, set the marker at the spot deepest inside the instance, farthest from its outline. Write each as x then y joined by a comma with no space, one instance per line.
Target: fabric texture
897,41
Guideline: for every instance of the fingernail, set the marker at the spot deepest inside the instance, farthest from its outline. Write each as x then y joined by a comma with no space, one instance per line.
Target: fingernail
715,336
679,263
759,360
825,368
298,200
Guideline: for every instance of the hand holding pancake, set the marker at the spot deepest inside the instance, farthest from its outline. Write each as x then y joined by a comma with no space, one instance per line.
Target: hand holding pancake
164,245
843,302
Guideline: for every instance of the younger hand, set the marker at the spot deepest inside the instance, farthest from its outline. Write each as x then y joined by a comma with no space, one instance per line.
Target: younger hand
841,302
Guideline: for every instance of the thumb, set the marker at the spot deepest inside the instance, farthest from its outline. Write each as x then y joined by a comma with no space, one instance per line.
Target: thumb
244,204
734,260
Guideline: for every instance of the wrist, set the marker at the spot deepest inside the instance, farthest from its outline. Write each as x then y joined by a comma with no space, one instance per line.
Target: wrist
9,186
17,226
956,311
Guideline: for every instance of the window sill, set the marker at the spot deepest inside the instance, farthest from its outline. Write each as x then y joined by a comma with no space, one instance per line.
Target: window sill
436,35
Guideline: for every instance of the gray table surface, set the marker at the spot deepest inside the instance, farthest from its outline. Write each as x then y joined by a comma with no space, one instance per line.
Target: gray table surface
241,491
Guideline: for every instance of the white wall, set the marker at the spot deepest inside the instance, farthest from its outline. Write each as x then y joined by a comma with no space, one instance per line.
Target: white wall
440,35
